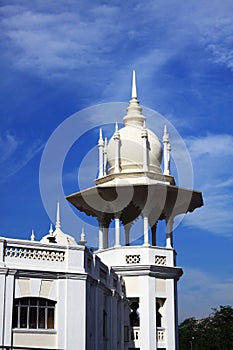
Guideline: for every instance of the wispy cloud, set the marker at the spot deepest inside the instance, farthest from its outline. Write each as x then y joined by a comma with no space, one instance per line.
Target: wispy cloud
8,145
212,158
15,154
68,39
49,42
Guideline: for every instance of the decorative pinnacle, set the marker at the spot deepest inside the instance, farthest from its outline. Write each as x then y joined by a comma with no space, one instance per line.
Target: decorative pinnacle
82,240
82,234
116,134
58,222
134,87
134,111
101,141
51,230
105,143
32,236
165,135
116,129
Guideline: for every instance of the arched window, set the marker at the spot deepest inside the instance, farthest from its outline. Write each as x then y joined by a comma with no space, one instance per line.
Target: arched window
33,313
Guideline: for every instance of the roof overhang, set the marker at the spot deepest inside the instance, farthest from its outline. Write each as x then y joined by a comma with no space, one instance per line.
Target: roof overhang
157,201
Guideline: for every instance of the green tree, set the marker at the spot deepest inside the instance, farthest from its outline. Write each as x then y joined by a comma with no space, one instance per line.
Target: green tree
212,333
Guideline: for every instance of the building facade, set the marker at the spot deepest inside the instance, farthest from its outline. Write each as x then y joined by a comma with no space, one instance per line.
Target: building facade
58,294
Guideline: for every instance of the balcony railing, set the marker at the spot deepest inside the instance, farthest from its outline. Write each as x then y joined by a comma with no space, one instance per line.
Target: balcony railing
161,334
5,347
135,333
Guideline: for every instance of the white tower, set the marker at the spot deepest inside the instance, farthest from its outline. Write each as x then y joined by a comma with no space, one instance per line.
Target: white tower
133,188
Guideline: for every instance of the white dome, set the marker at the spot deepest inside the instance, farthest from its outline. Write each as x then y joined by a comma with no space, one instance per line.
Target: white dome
131,150
58,236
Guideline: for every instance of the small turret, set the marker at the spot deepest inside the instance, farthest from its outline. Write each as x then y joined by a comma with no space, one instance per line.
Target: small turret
33,236
166,152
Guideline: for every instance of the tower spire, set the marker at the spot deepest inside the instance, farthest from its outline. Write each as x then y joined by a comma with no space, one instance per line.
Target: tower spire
134,87
134,111
58,221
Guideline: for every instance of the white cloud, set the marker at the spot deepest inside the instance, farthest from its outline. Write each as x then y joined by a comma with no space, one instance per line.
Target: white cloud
55,38
8,145
213,145
15,154
212,158
53,41
199,292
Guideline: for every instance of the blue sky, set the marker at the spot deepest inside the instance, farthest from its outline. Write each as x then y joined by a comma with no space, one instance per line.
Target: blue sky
58,58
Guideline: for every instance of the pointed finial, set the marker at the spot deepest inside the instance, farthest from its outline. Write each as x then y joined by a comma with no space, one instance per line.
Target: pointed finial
165,134
58,222
82,240
116,128
134,87
101,141
117,133
51,230
105,142
134,111
32,236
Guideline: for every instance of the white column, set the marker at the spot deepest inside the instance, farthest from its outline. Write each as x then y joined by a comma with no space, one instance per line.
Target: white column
145,150
101,236
147,313
169,228
61,313
146,230
170,316
117,232
101,155
2,304
76,297
117,150
9,297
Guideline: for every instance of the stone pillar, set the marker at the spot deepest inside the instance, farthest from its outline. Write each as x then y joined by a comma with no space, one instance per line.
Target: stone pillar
3,272
170,315
9,298
101,236
169,228
147,313
117,232
146,230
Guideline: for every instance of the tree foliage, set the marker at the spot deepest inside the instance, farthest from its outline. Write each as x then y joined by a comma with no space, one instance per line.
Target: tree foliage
212,333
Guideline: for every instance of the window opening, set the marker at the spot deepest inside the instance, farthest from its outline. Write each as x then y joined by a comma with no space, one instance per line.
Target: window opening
134,315
33,313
